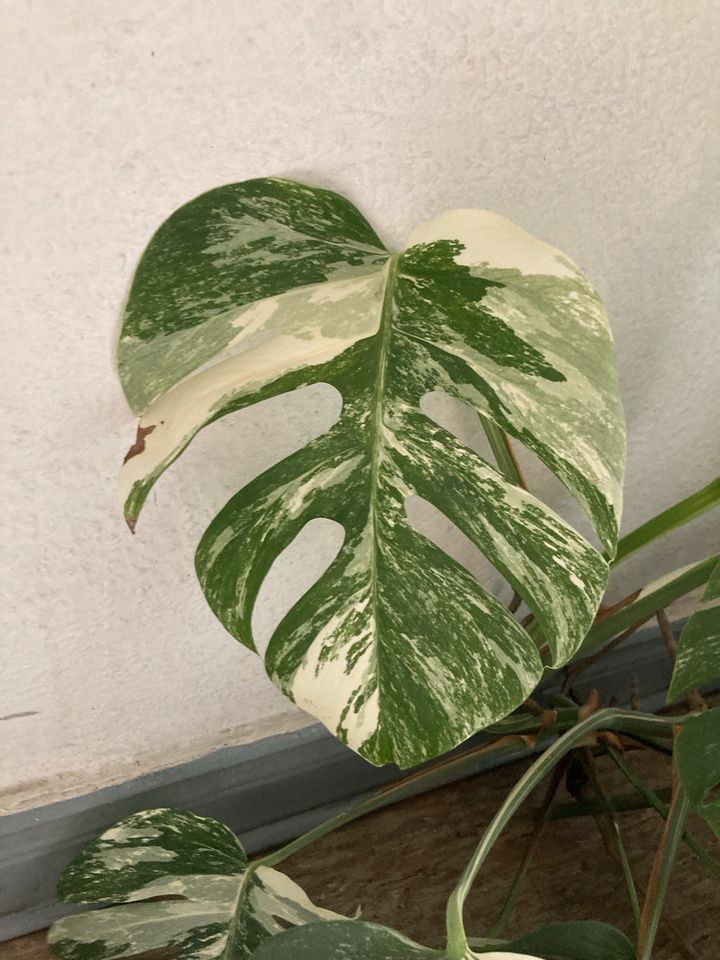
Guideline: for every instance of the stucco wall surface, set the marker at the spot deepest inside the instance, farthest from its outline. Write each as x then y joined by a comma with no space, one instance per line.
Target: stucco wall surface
592,125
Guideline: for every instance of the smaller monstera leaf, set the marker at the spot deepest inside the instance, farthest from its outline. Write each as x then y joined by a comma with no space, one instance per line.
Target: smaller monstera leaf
180,882
698,653
258,288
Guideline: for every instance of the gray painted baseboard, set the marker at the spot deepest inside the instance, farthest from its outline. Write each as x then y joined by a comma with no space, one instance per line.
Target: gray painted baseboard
268,791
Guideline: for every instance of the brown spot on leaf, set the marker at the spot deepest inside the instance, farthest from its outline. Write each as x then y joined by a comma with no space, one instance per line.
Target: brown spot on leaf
139,444
132,523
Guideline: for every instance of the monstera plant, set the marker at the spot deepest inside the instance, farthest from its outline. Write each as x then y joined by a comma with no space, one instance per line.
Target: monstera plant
259,288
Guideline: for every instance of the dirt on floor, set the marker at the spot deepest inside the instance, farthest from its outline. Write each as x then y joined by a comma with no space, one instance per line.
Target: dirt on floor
401,863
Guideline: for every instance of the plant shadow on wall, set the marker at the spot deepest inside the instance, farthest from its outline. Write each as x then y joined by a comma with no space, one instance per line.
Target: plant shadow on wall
259,288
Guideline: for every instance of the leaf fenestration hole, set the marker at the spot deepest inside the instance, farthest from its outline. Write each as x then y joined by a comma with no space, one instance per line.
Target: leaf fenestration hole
543,484
294,571
459,419
432,523
229,453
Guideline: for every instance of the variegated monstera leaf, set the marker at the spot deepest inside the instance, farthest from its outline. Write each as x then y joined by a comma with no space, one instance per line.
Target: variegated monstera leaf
259,288
212,905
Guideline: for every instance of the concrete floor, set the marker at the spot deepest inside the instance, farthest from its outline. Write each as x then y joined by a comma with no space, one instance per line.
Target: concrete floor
401,863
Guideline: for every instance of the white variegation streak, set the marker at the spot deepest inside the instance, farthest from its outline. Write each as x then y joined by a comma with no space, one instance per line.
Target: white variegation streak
325,685
345,940
567,413
308,327
491,239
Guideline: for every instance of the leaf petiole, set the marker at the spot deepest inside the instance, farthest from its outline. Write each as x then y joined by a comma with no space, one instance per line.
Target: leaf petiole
619,721
662,868
680,513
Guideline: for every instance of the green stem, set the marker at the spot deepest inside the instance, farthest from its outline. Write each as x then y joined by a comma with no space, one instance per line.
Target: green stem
461,765
652,799
502,451
688,509
647,603
607,719
660,876
615,835
508,906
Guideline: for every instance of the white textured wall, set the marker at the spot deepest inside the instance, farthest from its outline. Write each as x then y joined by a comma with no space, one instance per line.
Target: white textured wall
592,124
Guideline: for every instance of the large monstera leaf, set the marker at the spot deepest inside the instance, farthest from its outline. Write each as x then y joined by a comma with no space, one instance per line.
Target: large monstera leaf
259,288
212,906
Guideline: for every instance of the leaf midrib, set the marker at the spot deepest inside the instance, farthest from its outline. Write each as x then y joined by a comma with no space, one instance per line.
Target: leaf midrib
376,429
